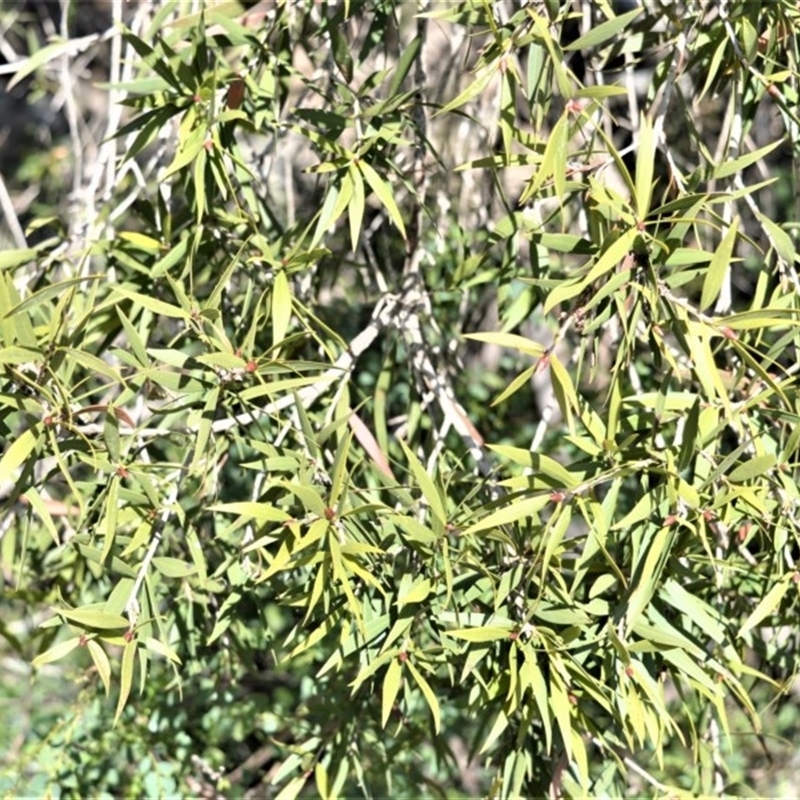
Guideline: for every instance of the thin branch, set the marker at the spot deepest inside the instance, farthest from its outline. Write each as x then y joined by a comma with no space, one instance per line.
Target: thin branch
7,207
132,606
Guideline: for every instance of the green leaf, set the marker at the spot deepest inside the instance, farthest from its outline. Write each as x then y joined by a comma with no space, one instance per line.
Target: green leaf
539,463
141,241
500,724
554,162
356,207
152,304
767,605
125,678
56,49
719,267
417,593
293,788
281,307
9,259
391,686
514,512
488,634
404,64
429,490
263,512
650,575
50,291
40,507
56,652
781,240
384,194
155,646
752,468
92,618
695,610
604,31
173,567
473,90
17,453
728,168
101,663
430,697
510,340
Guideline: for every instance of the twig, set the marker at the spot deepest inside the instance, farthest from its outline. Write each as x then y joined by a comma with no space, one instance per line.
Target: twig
132,606
381,318
10,215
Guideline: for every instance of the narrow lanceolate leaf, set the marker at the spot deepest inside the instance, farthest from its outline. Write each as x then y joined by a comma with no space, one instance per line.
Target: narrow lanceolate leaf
101,663
553,162
152,304
767,606
56,652
281,307
403,65
261,512
391,686
510,340
125,678
16,453
718,268
429,490
13,258
500,724
430,697
780,240
355,210
735,165
488,634
92,618
601,33
650,575
293,788
752,468
112,511
40,507
384,193
473,90
514,512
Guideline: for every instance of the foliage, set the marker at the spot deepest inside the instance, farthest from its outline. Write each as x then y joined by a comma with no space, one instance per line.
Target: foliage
405,402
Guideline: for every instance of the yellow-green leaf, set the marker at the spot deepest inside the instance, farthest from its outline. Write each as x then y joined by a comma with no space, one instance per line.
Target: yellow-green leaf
513,512
126,677
430,697
718,268
17,452
598,34
752,468
56,652
727,168
92,618
355,210
767,606
281,307
384,193
101,663
426,485
391,686
173,567
416,594
152,304
489,634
